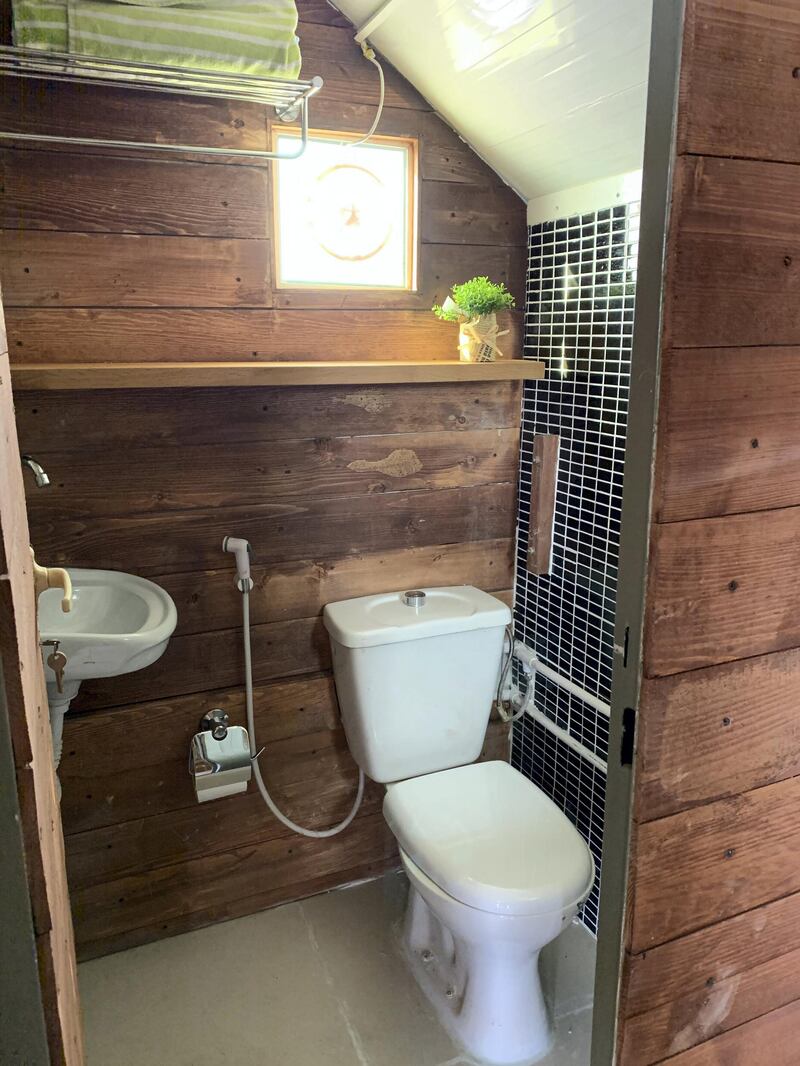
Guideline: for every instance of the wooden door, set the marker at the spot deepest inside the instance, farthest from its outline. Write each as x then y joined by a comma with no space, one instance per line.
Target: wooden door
25,699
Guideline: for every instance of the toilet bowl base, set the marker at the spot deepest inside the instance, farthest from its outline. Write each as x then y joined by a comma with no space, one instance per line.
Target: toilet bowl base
485,990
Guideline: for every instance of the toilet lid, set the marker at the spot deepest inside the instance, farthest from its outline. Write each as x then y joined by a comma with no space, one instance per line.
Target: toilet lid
490,838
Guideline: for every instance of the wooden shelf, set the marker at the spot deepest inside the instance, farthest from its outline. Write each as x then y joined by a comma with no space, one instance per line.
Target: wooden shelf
221,375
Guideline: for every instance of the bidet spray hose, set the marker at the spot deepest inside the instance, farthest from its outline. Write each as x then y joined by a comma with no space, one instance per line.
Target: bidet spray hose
254,752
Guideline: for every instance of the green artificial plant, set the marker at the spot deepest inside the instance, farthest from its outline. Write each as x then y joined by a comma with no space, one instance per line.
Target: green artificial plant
474,298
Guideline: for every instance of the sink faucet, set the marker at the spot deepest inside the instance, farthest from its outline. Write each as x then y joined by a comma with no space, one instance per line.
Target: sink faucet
37,470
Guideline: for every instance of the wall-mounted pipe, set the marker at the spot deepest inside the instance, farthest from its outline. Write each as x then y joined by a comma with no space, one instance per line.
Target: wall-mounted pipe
528,658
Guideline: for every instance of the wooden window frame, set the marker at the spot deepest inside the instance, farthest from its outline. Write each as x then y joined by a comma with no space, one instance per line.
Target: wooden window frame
411,144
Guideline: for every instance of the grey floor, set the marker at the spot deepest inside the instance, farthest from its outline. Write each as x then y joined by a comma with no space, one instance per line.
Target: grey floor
317,983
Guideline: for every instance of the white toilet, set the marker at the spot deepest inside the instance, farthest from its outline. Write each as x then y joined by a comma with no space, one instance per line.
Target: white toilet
496,869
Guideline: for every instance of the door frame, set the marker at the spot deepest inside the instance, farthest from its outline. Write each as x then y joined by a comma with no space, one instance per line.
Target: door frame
659,157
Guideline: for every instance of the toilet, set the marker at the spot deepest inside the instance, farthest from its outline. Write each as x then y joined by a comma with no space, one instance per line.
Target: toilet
496,869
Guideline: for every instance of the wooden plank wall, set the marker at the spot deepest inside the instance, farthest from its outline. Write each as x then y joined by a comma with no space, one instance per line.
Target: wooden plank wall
713,963
107,257
341,491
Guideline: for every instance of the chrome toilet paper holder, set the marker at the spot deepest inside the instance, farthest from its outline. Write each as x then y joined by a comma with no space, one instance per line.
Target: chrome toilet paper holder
219,757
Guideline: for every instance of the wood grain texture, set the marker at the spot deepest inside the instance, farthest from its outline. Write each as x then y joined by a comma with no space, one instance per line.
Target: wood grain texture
65,191
208,475
738,408
712,862
121,419
693,1019
281,532
736,266
43,335
695,963
455,213
723,589
770,1040
44,269
717,732
738,90
543,502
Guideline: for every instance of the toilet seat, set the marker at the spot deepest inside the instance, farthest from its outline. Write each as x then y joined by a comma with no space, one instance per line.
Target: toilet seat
488,837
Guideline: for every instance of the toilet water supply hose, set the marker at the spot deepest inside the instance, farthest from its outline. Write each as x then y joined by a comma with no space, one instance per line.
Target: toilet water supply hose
254,752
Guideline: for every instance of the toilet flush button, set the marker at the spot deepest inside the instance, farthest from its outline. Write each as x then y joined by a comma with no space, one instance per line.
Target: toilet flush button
415,599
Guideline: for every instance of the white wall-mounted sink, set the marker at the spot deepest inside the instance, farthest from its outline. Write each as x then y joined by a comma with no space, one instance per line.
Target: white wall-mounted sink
118,623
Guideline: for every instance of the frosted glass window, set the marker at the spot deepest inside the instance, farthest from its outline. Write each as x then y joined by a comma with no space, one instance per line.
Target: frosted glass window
345,213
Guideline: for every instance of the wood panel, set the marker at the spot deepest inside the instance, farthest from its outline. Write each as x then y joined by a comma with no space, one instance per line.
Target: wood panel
693,1019
736,266
73,335
343,490
74,193
770,1040
738,408
45,269
715,861
97,483
454,213
279,532
712,953
698,962
723,589
739,88
166,417
716,732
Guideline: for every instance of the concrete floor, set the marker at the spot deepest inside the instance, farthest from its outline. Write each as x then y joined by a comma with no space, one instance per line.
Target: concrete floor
317,983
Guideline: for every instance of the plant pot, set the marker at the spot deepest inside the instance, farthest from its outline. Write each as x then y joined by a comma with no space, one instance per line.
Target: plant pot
477,340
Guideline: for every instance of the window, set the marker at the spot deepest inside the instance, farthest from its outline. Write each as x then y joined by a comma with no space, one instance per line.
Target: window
345,213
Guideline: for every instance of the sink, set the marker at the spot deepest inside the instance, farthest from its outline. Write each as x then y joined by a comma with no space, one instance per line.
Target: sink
118,623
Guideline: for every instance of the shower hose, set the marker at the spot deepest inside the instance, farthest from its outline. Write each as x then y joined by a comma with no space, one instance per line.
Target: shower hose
254,752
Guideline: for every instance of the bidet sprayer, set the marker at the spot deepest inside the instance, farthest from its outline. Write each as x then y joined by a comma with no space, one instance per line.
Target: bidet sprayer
242,551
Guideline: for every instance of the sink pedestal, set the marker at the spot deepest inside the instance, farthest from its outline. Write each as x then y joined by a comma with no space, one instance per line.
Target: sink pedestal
59,705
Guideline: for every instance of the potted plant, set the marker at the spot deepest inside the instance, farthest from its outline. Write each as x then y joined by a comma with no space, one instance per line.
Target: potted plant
474,305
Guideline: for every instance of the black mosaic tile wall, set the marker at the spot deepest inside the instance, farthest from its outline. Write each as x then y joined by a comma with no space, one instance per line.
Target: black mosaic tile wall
579,321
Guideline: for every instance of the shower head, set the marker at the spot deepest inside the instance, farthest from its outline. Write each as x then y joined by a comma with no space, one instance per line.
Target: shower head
242,551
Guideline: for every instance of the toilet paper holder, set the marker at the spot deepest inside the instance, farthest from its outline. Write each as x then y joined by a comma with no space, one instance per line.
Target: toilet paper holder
219,757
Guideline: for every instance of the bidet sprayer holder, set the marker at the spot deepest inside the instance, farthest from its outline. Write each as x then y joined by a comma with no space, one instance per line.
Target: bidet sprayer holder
242,551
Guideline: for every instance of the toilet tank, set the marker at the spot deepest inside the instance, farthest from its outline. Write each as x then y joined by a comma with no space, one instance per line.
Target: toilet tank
416,674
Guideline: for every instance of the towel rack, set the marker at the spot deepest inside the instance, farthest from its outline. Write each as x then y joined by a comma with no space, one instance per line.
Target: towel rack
289,98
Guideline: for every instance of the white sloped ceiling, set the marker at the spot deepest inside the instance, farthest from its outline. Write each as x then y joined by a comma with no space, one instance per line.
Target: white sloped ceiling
550,92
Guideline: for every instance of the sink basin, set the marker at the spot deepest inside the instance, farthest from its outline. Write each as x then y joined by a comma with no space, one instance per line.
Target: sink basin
118,623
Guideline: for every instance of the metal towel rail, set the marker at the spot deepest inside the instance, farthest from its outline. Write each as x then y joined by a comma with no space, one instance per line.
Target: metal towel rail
289,98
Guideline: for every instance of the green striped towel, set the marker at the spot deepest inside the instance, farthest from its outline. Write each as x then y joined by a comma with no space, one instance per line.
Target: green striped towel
243,37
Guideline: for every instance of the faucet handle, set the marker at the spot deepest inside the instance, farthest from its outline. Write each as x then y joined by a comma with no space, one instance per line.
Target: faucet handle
52,577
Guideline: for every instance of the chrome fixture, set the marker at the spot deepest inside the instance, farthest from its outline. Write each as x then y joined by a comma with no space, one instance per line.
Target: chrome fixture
289,97
37,470
415,598
216,722
219,757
